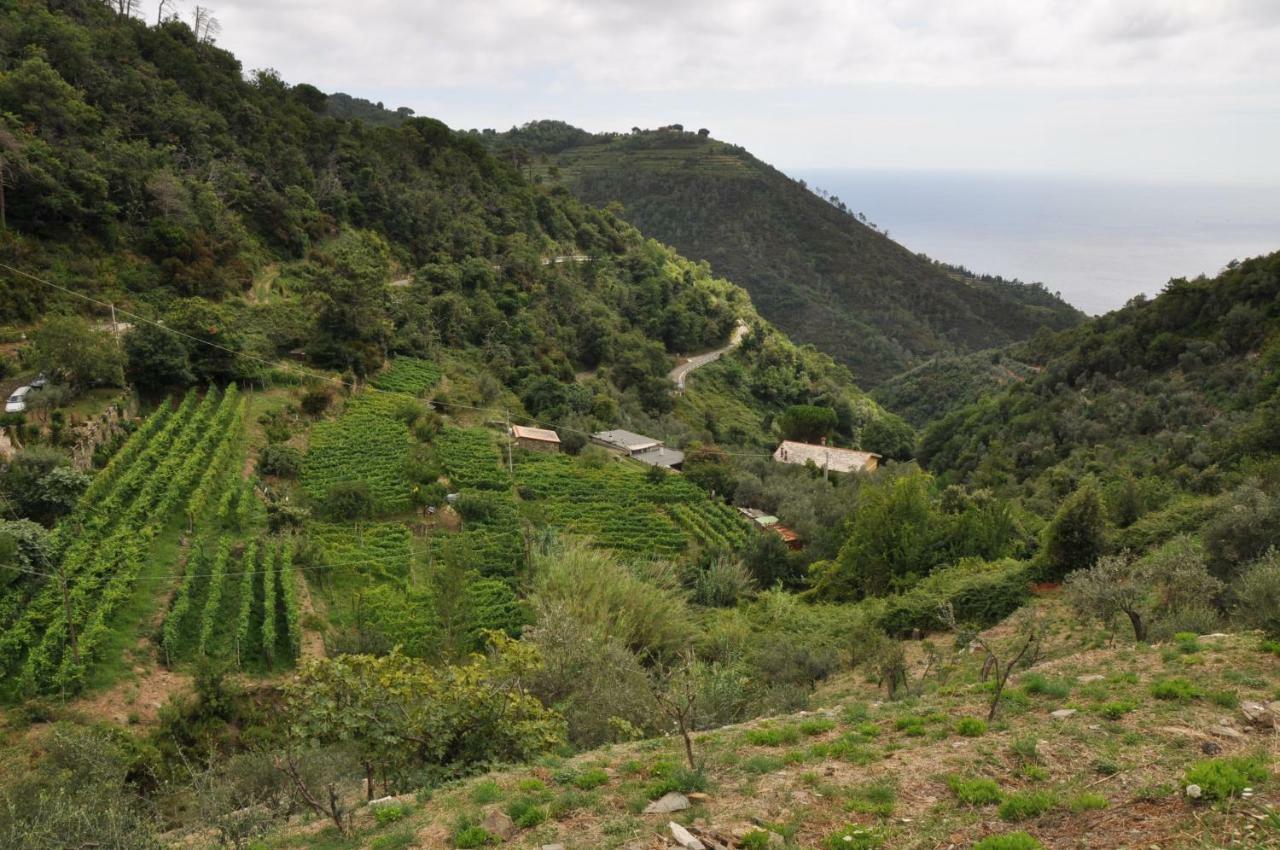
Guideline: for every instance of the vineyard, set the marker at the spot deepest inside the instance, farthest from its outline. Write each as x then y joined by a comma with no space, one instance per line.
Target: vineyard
56,630
360,445
237,602
618,506
490,536
408,375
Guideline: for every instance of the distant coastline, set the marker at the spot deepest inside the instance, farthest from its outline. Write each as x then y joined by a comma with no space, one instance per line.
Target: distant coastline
1099,242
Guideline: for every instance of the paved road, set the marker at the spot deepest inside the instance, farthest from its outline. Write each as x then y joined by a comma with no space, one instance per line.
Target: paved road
678,374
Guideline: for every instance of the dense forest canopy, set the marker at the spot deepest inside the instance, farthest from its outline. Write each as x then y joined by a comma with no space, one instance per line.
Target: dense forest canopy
813,267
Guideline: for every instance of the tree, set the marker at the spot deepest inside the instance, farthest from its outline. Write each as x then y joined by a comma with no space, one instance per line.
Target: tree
156,358
404,713
1075,538
42,484
1165,583
348,500
1000,658
807,423
69,349
675,691
1257,594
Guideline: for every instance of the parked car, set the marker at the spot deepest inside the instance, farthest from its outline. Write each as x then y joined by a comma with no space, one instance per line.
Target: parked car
17,402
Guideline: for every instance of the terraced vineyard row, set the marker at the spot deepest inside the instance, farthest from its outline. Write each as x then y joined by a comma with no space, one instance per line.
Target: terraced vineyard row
102,546
360,446
471,459
408,375
474,466
712,524
236,601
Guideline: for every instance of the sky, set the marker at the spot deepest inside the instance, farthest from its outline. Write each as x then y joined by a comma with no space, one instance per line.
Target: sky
1161,90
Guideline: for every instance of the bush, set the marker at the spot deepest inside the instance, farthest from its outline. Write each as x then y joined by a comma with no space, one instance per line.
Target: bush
388,814
1074,539
526,813
1037,683
1116,709
1025,805
979,593
1175,689
316,400
471,836
348,500
971,727
281,460
975,792
1009,841
1222,778
1256,595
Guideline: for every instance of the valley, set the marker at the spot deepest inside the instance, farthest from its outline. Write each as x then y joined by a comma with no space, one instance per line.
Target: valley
368,484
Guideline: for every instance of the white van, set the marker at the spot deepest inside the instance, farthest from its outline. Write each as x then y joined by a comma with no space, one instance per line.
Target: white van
17,402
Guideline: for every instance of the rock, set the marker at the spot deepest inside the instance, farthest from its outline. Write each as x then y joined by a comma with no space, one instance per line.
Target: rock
1090,677
1194,792
699,797
1227,732
684,837
552,847
1062,713
1210,748
670,802
1259,714
497,823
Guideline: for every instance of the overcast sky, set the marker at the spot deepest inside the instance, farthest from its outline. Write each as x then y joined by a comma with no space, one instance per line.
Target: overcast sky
1158,89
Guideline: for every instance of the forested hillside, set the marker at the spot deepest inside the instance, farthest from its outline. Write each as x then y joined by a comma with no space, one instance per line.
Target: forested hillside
1170,406
812,267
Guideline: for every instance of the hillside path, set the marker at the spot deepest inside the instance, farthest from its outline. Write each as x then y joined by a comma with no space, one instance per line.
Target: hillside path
697,361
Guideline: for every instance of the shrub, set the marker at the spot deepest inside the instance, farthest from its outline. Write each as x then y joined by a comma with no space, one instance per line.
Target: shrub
1226,777
485,791
1009,841
1074,539
284,461
971,727
757,839
1175,689
472,836
980,593
1025,805
975,792
911,726
316,400
1187,642
1256,594
668,778
526,813
389,813
348,500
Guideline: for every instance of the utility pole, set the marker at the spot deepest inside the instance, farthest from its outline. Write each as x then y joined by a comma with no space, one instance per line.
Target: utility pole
66,610
510,464
115,328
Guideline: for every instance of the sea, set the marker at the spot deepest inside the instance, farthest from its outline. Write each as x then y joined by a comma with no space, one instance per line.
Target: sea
1098,242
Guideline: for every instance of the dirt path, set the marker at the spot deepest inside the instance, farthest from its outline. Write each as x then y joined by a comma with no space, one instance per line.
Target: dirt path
312,641
697,361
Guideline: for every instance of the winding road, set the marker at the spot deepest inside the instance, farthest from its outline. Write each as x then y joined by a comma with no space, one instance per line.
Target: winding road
678,374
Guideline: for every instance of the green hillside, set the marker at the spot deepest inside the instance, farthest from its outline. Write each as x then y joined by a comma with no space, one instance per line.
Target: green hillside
812,268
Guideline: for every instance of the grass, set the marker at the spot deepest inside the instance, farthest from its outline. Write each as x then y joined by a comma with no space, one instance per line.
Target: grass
773,736
1231,776
854,837
816,725
1009,841
1177,689
978,791
1025,805
1040,685
1087,802
589,779
971,727
874,798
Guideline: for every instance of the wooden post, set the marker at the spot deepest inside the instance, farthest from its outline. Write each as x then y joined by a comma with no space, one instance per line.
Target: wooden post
115,328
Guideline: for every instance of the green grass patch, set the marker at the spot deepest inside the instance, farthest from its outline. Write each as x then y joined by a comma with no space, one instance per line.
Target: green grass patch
1040,685
773,736
1222,778
589,779
816,725
873,798
976,791
485,791
1176,689
854,837
1009,841
1087,802
971,727
1025,805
